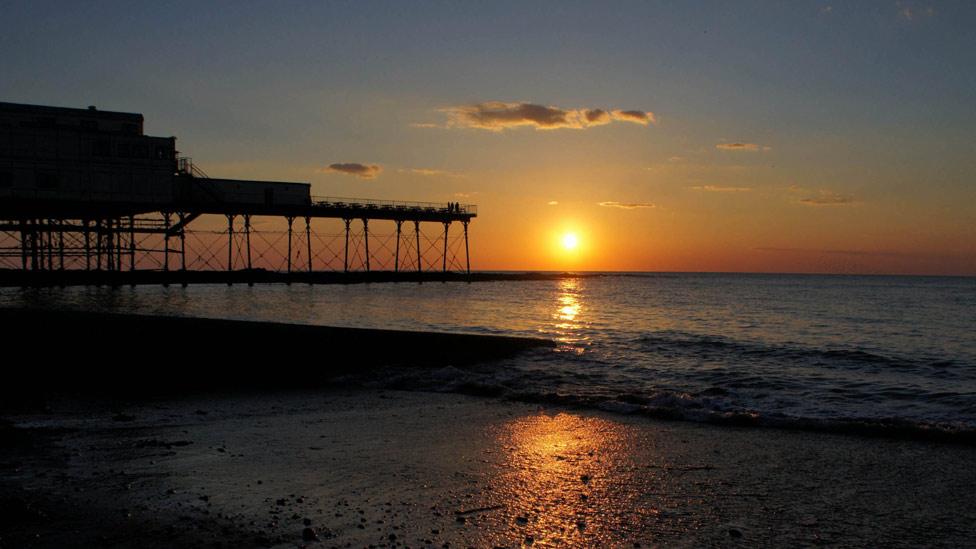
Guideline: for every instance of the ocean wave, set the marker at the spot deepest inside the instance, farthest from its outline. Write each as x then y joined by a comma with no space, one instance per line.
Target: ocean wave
712,405
708,346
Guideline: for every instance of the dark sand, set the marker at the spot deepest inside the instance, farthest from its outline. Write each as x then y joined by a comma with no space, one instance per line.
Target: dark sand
129,356
127,466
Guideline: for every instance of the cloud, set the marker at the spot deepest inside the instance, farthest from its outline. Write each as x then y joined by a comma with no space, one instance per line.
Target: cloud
742,147
720,189
425,125
552,203
497,116
597,117
828,198
627,205
429,172
637,117
363,171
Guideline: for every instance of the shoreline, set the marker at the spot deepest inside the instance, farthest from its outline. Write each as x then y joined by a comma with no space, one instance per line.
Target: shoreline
214,357
415,469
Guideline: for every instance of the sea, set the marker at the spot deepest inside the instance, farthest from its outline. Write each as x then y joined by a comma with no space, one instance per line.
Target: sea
865,354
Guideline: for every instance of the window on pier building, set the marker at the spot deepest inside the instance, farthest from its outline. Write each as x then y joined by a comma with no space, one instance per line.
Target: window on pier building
101,147
164,153
133,150
47,180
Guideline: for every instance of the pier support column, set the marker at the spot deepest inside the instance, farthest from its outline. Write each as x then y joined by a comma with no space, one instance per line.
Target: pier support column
467,256
61,245
104,246
396,255
33,244
118,244
132,243
247,242
23,244
98,244
288,268
87,245
345,258
32,238
38,244
166,225
416,230
308,245
182,216
230,247
109,245
366,240
50,244
447,225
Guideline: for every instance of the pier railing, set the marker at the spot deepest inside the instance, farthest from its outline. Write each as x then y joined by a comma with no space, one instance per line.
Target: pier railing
397,205
165,197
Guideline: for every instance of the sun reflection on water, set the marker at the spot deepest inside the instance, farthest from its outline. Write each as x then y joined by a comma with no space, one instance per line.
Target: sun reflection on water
568,316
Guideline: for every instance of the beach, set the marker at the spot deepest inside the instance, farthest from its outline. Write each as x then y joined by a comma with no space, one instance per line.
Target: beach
232,434
391,468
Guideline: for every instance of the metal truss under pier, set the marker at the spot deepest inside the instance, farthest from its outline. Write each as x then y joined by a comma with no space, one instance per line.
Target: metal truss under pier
107,241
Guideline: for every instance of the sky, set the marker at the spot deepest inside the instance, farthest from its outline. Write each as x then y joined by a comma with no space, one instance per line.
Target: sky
667,136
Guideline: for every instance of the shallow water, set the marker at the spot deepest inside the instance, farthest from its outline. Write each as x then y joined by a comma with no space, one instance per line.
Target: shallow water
781,348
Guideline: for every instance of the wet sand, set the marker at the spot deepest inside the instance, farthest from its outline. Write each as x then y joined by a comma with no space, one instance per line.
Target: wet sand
413,469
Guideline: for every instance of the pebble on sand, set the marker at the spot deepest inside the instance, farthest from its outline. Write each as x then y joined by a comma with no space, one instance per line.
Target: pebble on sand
309,534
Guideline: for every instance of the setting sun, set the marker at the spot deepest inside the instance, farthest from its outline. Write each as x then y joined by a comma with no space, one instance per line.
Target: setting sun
570,241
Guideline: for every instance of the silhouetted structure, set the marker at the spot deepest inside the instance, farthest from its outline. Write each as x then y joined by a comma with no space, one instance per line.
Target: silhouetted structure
83,189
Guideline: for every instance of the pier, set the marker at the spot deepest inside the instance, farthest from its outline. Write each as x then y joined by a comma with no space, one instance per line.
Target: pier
85,197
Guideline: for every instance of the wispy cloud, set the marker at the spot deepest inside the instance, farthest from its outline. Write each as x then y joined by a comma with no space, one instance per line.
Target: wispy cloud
552,203
637,117
828,198
742,147
721,189
363,171
834,252
497,116
425,125
428,172
910,11
627,205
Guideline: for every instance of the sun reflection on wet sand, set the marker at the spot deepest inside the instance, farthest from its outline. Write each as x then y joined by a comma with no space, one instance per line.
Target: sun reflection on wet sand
563,483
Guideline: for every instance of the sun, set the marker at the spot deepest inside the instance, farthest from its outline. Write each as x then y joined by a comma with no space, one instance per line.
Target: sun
570,241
